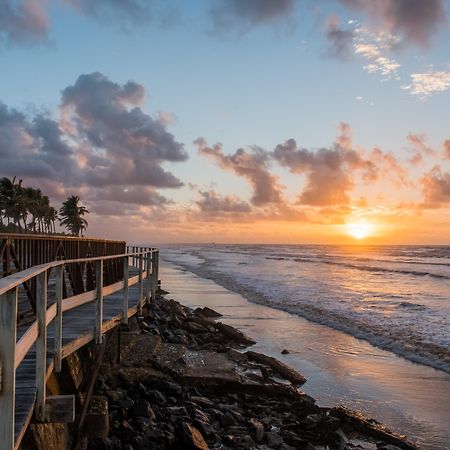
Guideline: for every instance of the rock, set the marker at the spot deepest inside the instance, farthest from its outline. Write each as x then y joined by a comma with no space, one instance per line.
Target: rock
277,366
226,419
142,408
273,439
168,387
126,402
202,401
157,397
234,334
206,312
246,442
258,429
176,308
236,356
194,327
285,352
192,437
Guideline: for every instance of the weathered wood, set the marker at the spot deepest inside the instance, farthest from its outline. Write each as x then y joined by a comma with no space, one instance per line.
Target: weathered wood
41,345
141,284
99,302
8,330
81,326
126,275
25,343
78,300
154,279
60,409
59,316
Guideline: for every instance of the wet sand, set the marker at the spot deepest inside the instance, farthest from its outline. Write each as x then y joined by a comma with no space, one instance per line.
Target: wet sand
409,398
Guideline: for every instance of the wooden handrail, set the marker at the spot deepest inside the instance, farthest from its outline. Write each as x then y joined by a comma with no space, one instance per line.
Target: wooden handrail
12,353
11,281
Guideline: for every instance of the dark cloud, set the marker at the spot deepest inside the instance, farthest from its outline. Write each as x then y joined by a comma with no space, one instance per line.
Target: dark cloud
252,164
329,171
240,16
104,146
416,20
340,41
436,187
134,195
23,22
121,144
212,203
33,147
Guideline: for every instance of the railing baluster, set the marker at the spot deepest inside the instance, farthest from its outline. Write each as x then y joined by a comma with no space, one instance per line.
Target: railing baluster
59,274
126,275
154,273
99,302
148,279
141,285
41,345
8,331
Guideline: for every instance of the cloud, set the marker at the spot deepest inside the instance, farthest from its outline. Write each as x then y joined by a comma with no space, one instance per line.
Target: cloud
415,20
447,149
121,144
33,147
436,187
329,171
252,164
425,84
23,22
212,203
375,47
240,16
419,147
340,41
103,145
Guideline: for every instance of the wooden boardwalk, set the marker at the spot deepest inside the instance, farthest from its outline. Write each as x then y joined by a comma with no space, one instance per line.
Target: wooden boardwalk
29,353
78,326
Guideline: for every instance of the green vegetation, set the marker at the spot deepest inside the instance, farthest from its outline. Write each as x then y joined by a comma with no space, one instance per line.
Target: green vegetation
26,209
71,215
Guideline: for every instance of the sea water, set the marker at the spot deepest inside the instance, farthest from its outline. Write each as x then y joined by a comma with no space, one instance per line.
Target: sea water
393,297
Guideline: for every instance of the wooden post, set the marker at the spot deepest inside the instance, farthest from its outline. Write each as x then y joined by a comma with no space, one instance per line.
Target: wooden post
141,286
148,279
59,275
154,273
126,275
41,345
99,312
8,330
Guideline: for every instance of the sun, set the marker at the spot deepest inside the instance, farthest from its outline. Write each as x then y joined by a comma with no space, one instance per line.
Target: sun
359,230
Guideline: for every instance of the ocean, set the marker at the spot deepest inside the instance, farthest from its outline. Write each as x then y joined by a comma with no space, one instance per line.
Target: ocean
395,297
367,326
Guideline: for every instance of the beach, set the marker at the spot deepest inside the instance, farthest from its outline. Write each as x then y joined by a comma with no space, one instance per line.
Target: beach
410,398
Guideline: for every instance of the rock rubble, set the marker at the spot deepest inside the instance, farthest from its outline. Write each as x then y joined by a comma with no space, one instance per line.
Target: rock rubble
184,382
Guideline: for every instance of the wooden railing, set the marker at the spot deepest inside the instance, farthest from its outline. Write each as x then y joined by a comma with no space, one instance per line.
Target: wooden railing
23,251
13,352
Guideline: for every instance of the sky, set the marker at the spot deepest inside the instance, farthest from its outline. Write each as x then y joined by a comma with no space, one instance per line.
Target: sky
239,121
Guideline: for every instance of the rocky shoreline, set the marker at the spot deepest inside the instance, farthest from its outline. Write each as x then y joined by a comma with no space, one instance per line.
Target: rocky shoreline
185,381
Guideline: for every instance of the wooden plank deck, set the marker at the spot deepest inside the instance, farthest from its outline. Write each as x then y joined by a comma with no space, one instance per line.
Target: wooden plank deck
78,330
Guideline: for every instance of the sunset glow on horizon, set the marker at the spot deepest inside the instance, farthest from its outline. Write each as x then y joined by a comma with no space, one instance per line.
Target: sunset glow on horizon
180,130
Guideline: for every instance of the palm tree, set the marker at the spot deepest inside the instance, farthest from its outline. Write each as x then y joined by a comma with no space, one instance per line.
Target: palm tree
13,204
71,216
